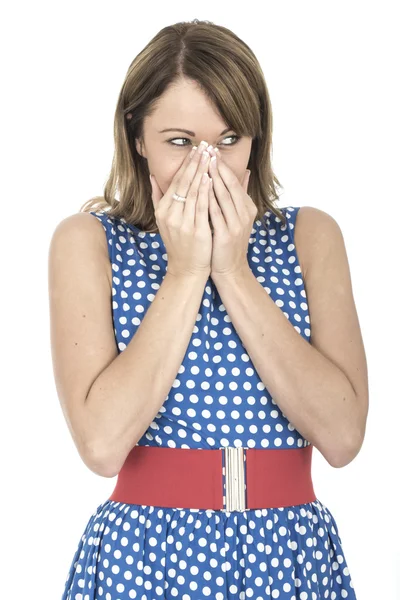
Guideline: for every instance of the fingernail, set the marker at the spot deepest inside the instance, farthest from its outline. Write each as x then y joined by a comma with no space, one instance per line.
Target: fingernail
202,146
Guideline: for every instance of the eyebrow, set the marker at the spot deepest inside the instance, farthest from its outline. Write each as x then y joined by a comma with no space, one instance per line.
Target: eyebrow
192,133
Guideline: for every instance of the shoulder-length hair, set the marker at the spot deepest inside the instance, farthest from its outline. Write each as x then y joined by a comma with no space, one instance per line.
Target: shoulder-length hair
228,72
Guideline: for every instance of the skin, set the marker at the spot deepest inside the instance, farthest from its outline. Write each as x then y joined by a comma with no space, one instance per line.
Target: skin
185,105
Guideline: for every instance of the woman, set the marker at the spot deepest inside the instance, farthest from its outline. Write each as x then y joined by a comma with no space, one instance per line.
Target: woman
189,303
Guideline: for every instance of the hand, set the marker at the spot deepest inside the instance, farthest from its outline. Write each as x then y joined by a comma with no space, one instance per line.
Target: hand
232,213
184,227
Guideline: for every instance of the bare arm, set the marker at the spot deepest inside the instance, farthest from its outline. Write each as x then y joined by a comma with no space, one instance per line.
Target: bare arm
127,395
109,399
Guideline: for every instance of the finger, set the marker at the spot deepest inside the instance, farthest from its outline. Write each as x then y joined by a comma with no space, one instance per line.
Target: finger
245,185
201,217
193,168
156,192
245,180
173,187
216,214
192,195
229,191
226,195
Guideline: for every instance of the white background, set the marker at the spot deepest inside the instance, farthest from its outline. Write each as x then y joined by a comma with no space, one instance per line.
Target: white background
332,74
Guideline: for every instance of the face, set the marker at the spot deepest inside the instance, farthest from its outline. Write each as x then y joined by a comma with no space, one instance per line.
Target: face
186,106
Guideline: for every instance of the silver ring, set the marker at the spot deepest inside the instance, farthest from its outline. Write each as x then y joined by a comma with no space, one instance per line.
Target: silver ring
179,198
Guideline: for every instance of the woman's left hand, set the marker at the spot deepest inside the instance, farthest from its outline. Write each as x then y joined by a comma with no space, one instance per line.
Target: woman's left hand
232,213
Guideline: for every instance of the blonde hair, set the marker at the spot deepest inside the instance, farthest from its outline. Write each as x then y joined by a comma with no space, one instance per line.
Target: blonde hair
229,74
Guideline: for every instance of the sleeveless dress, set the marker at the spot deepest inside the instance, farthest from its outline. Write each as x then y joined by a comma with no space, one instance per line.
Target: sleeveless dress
150,552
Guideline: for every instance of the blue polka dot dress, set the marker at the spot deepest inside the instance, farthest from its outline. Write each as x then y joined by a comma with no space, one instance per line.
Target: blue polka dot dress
150,552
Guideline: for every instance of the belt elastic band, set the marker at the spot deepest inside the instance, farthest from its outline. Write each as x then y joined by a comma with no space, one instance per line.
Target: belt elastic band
195,478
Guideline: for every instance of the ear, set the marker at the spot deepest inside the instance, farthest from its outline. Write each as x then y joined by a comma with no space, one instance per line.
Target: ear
139,147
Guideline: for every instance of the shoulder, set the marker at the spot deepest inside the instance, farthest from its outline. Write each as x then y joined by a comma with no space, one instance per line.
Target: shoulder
83,230
316,233
80,223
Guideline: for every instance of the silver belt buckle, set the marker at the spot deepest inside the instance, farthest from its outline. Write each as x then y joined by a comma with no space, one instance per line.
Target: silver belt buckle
234,471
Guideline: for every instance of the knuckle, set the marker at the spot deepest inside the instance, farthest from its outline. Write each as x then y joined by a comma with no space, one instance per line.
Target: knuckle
199,234
236,231
170,222
192,194
186,229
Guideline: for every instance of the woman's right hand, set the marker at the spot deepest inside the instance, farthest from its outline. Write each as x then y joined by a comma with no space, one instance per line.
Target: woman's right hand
184,226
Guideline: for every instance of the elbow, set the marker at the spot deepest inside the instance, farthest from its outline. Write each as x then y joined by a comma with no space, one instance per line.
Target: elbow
338,462
98,464
104,471
345,454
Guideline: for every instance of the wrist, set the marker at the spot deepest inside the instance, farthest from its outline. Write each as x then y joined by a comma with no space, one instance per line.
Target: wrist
238,273
187,275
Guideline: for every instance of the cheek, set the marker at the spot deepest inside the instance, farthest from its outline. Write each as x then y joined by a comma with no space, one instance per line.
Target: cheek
164,171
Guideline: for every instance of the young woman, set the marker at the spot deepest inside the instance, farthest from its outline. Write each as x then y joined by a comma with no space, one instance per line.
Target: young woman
212,342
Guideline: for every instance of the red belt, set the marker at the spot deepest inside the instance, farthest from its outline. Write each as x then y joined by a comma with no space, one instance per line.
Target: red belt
228,479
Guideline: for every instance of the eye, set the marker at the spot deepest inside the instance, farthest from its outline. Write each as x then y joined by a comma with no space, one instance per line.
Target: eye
236,137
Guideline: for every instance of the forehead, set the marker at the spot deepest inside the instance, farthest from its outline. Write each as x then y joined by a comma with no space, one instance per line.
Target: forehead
185,106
